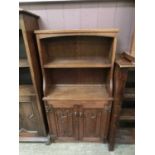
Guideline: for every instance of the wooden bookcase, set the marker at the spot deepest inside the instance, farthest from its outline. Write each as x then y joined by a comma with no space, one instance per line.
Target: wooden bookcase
77,67
31,115
122,126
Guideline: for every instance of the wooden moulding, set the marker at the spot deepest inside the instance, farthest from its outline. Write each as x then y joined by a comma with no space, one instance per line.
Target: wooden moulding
93,32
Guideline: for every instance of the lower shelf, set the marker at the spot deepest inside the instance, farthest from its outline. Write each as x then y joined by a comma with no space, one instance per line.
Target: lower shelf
125,136
127,114
79,62
26,90
77,92
129,93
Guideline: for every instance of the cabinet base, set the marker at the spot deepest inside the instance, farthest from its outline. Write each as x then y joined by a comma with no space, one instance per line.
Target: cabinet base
46,140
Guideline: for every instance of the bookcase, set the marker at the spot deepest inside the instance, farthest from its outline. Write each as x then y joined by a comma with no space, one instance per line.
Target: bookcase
77,68
122,126
32,127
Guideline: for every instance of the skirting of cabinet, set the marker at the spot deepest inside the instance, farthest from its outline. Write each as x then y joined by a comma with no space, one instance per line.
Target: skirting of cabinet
35,140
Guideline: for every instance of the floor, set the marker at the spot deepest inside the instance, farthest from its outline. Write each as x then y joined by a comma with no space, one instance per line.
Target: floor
74,149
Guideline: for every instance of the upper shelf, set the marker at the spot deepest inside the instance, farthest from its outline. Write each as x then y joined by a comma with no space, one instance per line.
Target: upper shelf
26,90
79,63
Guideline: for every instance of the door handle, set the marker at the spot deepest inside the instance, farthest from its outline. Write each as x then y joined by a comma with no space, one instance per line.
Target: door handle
75,113
81,113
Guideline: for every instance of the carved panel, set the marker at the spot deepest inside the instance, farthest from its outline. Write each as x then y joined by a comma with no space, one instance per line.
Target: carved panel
64,118
28,123
92,122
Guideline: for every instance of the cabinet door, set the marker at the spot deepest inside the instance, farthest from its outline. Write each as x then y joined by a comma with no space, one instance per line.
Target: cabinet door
63,123
28,119
93,124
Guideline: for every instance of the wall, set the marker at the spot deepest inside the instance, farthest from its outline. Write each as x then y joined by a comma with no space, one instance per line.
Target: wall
115,14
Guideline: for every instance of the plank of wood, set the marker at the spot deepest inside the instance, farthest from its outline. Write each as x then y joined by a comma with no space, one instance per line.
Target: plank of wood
26,90
77,92
78,62
34,139
23,63
77,31
127,114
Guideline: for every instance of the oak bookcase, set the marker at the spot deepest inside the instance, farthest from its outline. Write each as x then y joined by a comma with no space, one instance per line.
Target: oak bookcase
77,68
32,120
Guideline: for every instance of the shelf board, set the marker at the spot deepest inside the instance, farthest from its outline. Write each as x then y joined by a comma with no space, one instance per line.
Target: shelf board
127,114
26,90
124,63
77,92
23,63
78,63
125,136
129,93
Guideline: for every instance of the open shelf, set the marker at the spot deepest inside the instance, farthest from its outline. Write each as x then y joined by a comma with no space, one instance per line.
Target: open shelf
26,90
77,92
129,93
78,63
76,52
25,76
23,63
127,114
125,136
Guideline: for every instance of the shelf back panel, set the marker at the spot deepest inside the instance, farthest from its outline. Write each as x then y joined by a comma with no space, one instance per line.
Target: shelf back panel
131,79
22,52
76,76
76,47
128,104
24,76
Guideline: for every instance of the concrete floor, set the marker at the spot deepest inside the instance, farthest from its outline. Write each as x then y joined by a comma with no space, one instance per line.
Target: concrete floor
74,149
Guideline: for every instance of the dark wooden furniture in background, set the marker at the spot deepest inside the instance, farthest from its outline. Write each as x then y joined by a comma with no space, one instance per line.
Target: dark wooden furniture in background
123,111
77,67
31,116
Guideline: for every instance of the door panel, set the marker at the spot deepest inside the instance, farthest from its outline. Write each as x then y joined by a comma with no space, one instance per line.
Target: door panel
93,124
64,118
28,119
63,123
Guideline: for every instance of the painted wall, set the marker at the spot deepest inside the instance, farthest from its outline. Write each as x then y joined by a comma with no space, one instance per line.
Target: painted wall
87,15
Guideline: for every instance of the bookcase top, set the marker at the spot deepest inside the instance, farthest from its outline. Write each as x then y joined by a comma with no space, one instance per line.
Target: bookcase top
22,11
76,32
